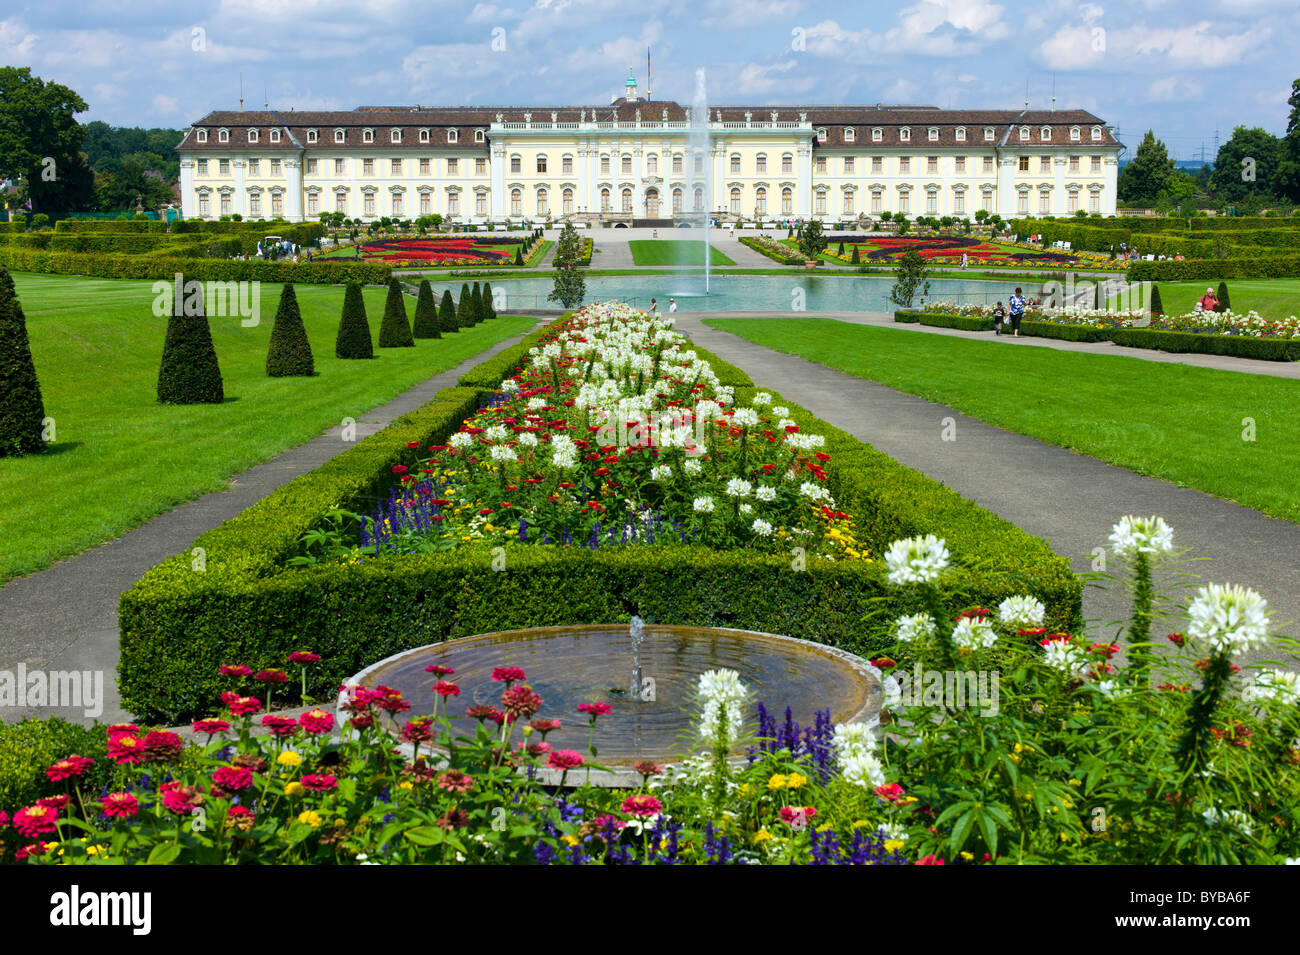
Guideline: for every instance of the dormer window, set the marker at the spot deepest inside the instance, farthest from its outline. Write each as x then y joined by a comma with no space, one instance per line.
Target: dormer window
877,134
252,135
395,136
275,135
201,136
453,135
850,134
933,134
961,134
424,135
1024,134
480,136
1074,134
821,134
989,134
223,135
1096,134
1045,134
905,134
311,136
367,135
339,136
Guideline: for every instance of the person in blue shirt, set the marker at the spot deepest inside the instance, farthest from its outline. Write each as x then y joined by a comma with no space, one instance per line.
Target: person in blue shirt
1016,310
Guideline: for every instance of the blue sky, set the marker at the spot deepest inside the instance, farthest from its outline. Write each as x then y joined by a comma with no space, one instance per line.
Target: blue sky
1179,66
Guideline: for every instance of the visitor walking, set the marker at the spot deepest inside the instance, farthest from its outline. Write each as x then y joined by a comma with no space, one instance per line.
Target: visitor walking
672,305
1016,308
999,316
963,260
654,307
1209,301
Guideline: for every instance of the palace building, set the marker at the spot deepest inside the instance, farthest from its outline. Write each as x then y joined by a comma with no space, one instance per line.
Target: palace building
638,160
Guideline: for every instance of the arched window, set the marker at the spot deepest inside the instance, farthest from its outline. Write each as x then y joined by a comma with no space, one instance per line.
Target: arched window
652,164
542,207
1096,134
735,201
961,134
1024,134
424,135
677,201
905,134
787,162
252,135
850,134
339,135
1045,134
223,135
933,134
395,136
453,135
627,200
877,134
735,163
566,199
480,136
1074,134
821,134
760,163
275,135
604,200
760,202
367,135
627,164
787,201
201,136
516,202
697,202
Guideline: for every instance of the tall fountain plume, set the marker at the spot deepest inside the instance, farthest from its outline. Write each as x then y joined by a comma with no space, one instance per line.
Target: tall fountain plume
701,146
636,630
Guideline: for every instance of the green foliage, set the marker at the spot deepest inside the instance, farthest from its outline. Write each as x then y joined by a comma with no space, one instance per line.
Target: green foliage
354,330
476,303
40,142
465,307
1222,297
1149,172
447,314
1157,307
1239,346
811,239
570,286
489,306
29,747
910,277
426,313
857,255
1258,266
22,411
1245,165
395,330
189,372
289,352
1069,333
967,323
204,270
779,253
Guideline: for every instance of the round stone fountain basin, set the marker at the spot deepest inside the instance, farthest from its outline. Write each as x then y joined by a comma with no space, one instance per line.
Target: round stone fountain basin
583,664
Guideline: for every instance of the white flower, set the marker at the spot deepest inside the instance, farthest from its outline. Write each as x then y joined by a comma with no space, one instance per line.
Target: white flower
1230,619
761,527
745,417
461,439
722,695
527,439
853,737
1021,612
781,411
762,398
692,467
765,492
916,560
746,508
535,403
704,505
1112,689
862,769
1065,658
1280,685
510,386
497,432
893,831
661,472
1233,817
738,487
974,633
813,491
1141,535
502,454
917,626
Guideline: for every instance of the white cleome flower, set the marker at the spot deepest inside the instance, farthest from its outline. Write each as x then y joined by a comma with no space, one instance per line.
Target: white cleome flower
762,398
972,633
1233,817
498,432
812,491
510,386
661,473
746,508
916,560
738,487
692,467
853,738
527,439
765,492
502,454
781,411
861,769
745,417
1021,612
761,527
1230,619
1141,535
1065,658
704,505
917,626
461,439
721,696
1280,685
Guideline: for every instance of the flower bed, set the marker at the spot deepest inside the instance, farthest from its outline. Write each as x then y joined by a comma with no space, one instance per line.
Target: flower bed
1251,324
948,250
177,626
455,251
781,252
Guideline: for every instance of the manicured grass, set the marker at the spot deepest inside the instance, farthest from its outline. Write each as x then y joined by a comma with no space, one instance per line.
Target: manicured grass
1272,298
121,458
674,252
1170,421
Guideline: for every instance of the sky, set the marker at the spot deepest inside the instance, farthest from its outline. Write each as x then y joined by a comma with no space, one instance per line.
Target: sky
1180,67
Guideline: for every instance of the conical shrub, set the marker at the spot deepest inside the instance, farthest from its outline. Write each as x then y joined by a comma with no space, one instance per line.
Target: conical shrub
189,373
1224,302
1157,307
465,307
426,313
289,352
354,331
489,306
395,331
476,297
22,412
447,314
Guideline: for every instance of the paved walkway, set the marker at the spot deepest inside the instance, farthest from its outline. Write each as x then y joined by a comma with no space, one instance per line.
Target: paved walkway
65,618
1069,499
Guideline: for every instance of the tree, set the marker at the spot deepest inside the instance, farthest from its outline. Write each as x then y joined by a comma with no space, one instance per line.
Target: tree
519,255
811,239
189,373
40,142
476,298
857,254
1157,307
1245,166
489,306
1142,179
1224,303
22,411
910,277
426,313
465,307
447,314
354,330
395,330
570,284
981,215
289,352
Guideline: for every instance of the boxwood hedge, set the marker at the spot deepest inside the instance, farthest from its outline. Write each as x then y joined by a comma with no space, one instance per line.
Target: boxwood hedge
966,323
179,624
1069,333
1238,346
165,267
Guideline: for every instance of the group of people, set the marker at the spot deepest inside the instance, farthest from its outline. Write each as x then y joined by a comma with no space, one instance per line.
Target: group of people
654,306
1013,313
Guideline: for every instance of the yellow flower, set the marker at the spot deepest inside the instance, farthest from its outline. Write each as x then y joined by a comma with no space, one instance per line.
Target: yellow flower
743,789
289,758
893,845
1024,748
569,839
967,856
310,817
94,850
406,784
776,782
795,780
761,837
294,790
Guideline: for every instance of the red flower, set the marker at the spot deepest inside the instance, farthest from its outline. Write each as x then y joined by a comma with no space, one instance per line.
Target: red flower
233,778
241,705
35,821
271,675
281,726
119,805
161,746
211,727
1177,639
390,701
438,670
117,729
508,674
884,663
303,656
643,806
797,816
418,730
929,860
890,792
545,726
236,669
520,701
445,689
57,803
317,722
455,781
482,713
319,783
179,799
68,767
126,750
565,759
647,768
594,709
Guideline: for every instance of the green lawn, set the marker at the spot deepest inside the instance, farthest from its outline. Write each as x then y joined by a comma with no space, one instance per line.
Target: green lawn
1170,421
120,458
1272,298
674,252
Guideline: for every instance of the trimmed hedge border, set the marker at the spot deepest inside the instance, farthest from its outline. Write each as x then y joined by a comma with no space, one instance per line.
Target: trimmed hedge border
1069,333
160,267
753,243
1237,346
179,625
965,323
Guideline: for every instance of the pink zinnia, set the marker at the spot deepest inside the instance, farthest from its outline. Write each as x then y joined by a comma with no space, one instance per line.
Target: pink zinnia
642,806
520,702
67,768
455,781
317,722
319,783
565,759
508,674
236,669
162,746
444,689
594,709
439,670
304,656
119,729
233,778
271,675
179,799
391,701
417,730
545,726
126,750
211,727
281,726
57,803
241,705
890,792
803,814
120,805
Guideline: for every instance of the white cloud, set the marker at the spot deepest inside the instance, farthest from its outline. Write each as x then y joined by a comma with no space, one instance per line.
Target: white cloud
166,104
16,43
1173,88
1073,48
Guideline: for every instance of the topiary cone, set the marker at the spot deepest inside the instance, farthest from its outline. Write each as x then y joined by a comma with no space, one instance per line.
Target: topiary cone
1224,303
354,331
447,313
426,313
465,307
476,297
289,352
22,412
189,373
489,306
395,331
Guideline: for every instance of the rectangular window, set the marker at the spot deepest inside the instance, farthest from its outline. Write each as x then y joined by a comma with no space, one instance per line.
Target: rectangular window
1094,202
848,203
1072,203
760,164
541,164
959,203
203,204
275,167
787,203
425,203
203,167
627,165
369,204
821,204
986,200
677,164
931,202
1044,163
480,204
848,165
277,205
735,164
367,167
397,203
340,202
932,164
223,167
877,164
453,203
424,167
904,164
396,167
566,165
313,166
255,167
604,167
1024,164
453,167
225,203
516,164
876,199
821,164
959,164
904,202
988,163
1044,201
480,166
787,164
1095,165
1022,203
1074,164
340,165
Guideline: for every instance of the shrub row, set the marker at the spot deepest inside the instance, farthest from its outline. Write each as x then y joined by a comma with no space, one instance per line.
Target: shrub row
1069,333
1238,346
966,323
112,226
793,258
222,270
31,745
179,625
1257,266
